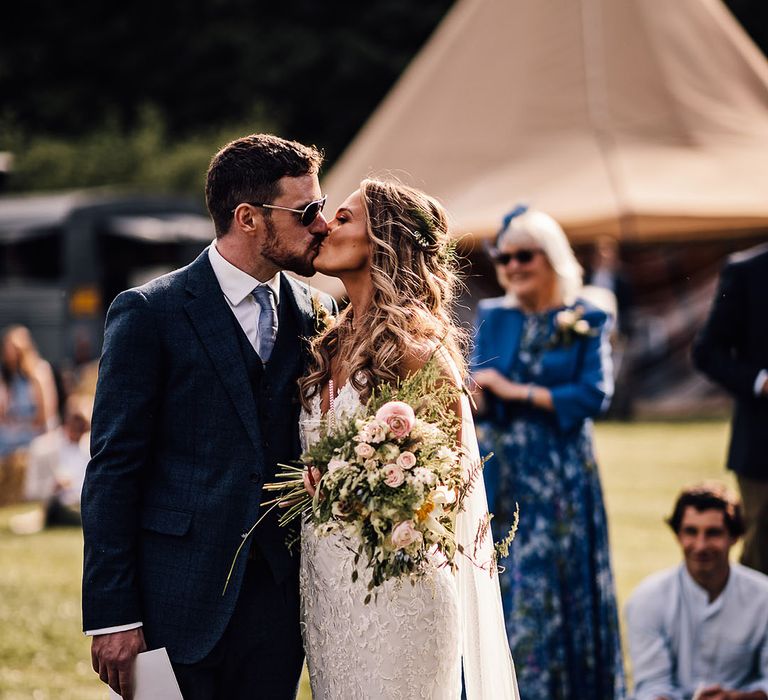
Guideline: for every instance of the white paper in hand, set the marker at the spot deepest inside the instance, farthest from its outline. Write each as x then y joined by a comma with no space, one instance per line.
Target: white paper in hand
153,678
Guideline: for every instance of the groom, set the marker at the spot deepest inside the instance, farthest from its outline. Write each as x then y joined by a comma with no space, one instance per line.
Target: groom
196,403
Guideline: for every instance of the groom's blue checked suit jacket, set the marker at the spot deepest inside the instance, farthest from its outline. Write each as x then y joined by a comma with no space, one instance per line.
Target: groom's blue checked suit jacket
185,433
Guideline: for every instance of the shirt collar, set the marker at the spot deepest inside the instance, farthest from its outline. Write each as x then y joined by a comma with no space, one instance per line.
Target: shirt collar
698,594
236,284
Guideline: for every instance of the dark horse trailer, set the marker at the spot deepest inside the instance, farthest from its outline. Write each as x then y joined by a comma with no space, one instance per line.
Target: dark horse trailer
64,257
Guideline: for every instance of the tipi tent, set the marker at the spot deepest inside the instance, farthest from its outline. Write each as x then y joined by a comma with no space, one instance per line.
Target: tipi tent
642,118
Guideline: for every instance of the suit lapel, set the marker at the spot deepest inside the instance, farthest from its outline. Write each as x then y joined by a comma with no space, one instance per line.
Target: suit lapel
212,319
300,296
287,353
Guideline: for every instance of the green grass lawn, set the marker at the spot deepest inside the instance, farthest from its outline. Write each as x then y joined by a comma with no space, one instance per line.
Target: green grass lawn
43,655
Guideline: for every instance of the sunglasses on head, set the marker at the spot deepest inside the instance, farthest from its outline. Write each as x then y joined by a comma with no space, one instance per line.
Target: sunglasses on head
306,215
523,256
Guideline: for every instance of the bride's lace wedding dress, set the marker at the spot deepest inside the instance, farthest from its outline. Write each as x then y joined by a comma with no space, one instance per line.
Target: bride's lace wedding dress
402,644
408,641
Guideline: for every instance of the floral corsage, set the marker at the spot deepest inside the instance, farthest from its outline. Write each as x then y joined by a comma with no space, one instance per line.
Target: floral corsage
324,319
569,325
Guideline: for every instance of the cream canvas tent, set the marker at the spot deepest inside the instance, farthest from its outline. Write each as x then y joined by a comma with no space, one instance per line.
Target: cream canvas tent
643,118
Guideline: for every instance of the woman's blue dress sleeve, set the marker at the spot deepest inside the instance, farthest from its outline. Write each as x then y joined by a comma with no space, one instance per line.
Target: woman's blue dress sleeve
592,387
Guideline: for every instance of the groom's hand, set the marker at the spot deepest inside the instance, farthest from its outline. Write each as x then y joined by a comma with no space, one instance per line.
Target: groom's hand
113,655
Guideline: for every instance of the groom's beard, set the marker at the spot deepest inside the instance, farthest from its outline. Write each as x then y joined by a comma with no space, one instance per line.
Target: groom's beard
298,261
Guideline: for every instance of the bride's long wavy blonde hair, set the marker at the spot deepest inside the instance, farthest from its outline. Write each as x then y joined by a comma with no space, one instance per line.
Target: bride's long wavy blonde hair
415,280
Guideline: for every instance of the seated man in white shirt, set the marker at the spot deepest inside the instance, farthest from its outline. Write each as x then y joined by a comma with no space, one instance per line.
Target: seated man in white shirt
699,631
57,462
70,460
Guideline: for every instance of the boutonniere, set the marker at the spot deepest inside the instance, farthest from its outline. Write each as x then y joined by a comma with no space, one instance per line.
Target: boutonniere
324,319
569,325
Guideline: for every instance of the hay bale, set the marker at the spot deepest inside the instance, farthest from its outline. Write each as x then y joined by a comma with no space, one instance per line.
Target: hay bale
13,472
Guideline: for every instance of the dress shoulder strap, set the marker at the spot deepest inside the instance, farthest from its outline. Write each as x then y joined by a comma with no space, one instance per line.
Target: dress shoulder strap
331,404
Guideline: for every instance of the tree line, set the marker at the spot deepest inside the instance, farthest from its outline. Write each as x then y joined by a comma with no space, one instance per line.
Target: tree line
144,92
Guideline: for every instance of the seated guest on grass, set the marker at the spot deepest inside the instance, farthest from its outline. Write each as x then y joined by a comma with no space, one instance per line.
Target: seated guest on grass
65,453
699,631
56,465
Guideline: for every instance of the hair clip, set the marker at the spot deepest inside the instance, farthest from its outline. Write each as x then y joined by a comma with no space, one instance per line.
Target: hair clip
519,210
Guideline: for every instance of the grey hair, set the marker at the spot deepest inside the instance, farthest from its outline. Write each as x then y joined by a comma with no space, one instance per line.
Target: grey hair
548,235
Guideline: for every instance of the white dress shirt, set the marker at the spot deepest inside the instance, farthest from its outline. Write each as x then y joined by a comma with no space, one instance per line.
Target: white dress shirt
237,287
53,456
73,460
679,640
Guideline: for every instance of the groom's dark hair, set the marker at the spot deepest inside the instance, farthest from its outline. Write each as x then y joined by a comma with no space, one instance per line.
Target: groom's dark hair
249,170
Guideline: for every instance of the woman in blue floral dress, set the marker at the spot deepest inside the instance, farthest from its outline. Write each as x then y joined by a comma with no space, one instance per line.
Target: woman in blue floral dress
542,360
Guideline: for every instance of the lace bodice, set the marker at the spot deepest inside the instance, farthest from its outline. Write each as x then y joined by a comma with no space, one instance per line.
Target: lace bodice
345,403
404,644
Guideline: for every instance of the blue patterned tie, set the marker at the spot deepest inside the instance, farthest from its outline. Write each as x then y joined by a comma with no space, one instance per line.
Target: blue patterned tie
267,321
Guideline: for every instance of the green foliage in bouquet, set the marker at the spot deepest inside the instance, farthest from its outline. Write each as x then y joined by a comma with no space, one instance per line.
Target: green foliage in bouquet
426,391
389,477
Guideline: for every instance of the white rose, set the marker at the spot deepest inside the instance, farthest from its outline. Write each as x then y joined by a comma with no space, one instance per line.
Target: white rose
336,464
372,431
405,534
443,495
445,454
377,431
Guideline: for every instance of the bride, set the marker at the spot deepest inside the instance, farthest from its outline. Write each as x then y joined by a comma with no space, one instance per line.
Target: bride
389,245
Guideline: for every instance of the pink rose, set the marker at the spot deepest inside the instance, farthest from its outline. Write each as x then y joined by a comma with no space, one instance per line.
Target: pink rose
406,460
404,534
393,475
398,416
364,450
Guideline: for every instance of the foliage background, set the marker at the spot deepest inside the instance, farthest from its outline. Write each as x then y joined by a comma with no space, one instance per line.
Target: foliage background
143,93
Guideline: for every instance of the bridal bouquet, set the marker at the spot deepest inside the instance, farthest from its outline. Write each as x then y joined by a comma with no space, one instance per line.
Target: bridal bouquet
390,478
